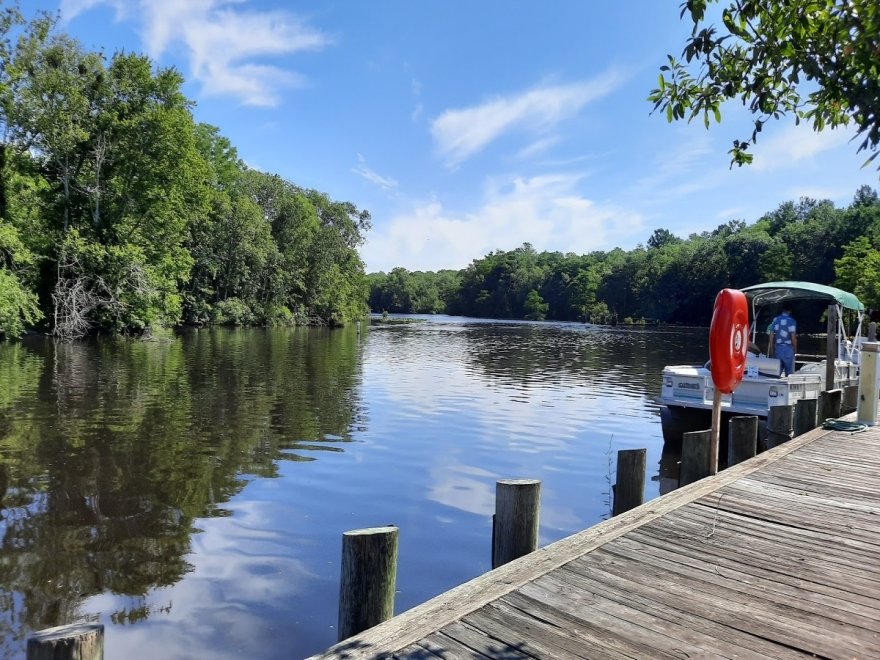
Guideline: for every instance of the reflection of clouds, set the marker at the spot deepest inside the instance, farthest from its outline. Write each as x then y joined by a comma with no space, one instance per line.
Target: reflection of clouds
242,578
462,487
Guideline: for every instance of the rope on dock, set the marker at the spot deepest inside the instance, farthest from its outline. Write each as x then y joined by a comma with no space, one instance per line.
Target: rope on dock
843,425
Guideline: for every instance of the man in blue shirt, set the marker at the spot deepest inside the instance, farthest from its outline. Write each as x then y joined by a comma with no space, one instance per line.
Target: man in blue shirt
783,340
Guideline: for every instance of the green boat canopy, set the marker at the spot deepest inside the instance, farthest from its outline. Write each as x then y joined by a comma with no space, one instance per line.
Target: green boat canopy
776,292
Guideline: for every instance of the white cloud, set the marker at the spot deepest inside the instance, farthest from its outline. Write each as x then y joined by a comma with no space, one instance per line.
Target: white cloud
461,133
538,147
222,42
384,182
547,211
419,108
795,144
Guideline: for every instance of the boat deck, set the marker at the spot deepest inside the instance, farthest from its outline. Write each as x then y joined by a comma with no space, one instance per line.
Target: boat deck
776,557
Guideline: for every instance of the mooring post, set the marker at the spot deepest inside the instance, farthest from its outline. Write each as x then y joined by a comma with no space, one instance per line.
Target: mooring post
850,399
830,406
515,531
831,347
78,641
805,416
779,425
696,450
742,439
369,576
629,491
872,331
866,408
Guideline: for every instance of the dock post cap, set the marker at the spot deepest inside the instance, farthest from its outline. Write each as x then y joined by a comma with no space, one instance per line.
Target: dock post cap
371,530
519,482
870,347
70,630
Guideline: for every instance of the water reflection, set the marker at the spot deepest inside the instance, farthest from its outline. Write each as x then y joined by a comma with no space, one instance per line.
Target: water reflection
114,448
190,493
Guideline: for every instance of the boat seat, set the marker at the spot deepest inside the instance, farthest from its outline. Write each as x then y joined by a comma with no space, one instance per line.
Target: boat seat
766,366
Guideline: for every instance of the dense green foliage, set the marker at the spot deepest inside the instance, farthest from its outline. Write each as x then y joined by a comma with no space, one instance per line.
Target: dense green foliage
119,212
672,280
816,60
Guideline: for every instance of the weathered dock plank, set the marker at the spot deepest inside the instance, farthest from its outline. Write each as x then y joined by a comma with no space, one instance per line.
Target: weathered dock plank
776,557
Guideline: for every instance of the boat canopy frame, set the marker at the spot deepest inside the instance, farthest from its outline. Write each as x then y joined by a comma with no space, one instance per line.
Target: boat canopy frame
779,292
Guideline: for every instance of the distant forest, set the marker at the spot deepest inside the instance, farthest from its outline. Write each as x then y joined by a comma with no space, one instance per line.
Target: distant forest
120,213
670,280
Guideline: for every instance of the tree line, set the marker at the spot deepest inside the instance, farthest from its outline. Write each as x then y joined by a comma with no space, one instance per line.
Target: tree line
669,280
119,212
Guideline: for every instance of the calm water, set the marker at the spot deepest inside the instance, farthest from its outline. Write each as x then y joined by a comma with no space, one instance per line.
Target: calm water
191,494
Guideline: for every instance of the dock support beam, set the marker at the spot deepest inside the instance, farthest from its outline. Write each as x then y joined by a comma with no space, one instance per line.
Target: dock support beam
696,449
850,399
78,641
629,492
369,576
779,425
515,525
805,416
742,439
830,405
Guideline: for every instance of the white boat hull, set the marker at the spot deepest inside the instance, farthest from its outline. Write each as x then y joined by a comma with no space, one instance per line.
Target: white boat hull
691,387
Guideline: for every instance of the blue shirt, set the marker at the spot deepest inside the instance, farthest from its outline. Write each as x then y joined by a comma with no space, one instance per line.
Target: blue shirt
783,327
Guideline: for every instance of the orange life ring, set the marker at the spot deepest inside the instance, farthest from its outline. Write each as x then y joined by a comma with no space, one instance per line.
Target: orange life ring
729,339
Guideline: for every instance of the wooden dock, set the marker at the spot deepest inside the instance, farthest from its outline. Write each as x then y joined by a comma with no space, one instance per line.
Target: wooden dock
777,557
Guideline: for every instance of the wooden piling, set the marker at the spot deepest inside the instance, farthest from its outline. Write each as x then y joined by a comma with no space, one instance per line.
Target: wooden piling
696,449
830,405
779,425
78,641
629,491
850,399
872,331
369,576
742,439
805,416
517,506
831,347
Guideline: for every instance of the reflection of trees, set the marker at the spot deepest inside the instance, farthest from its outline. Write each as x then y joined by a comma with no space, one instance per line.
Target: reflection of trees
523,355
113,448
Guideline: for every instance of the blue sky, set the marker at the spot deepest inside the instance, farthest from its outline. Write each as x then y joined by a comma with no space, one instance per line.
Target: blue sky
465,127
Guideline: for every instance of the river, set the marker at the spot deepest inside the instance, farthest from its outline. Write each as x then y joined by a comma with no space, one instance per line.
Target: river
191,493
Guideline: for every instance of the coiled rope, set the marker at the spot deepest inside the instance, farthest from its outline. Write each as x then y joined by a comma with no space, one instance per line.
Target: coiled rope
842,425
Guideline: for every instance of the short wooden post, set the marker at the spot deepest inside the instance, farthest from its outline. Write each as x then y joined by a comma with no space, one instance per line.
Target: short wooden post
696,449
831,348
872,331
830,405
517,506
805,416
630,487
369,577
779,425
78,641
742,439
850,399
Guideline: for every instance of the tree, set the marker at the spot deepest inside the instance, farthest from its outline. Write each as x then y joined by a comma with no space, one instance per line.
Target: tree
815,60
858,270
535,307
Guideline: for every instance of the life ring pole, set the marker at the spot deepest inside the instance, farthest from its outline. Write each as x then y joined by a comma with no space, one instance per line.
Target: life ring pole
716,432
